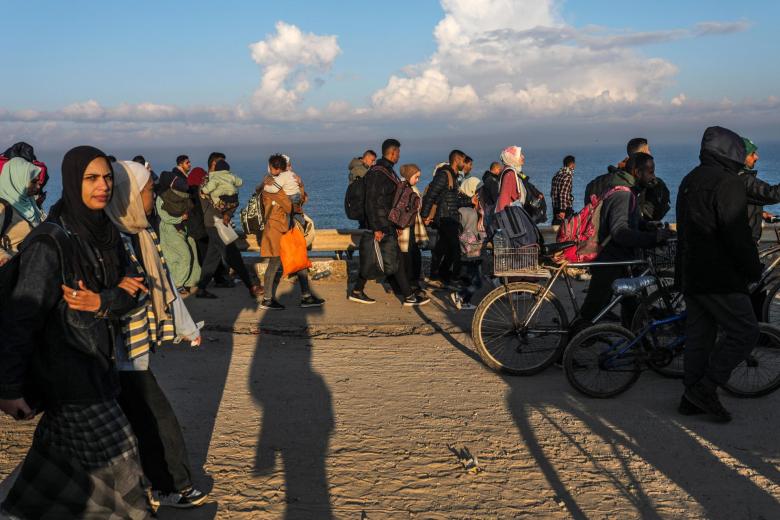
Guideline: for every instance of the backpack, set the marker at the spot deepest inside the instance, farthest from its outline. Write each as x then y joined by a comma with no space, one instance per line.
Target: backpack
252,216
450,185
9,273
355,199
517,227
535,204
406,206
583,228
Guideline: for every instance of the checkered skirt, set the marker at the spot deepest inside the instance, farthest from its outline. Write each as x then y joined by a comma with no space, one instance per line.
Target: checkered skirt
83,464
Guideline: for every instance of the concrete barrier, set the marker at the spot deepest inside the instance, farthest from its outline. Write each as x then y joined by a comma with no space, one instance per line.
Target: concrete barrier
343,240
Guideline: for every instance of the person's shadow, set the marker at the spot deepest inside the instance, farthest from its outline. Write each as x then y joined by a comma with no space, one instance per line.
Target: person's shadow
297,414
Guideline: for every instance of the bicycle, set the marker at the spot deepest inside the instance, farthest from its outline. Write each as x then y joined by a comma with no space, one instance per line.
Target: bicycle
521,327
607,359
656,306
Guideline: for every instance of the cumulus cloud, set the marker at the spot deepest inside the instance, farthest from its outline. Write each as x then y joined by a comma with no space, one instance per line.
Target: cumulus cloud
495,61
287,58
519,58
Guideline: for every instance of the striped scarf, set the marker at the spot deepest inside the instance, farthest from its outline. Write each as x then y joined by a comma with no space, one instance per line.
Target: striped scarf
140,328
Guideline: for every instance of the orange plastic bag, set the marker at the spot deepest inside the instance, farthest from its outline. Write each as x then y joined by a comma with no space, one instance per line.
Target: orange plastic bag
293,253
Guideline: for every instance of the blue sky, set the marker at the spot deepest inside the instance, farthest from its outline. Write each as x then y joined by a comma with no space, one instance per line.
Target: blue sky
192,62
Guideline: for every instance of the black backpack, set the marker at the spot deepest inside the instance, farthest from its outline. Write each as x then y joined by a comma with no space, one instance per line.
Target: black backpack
253,216
355,200
9,273
535,204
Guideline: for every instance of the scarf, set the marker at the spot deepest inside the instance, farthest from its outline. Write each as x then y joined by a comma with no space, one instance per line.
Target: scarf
91,227
126,211
16,177
511,158
143,329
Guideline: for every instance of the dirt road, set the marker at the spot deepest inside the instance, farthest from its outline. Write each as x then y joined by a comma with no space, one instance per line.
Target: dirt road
365,428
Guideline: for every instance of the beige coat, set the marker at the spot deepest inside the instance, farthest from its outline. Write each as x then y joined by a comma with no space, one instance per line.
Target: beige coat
276,208
16,232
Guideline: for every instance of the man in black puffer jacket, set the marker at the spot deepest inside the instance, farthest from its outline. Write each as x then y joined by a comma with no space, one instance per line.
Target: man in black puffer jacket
445,195
716,261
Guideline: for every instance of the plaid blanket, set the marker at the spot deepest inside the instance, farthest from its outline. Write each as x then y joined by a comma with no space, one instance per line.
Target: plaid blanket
83,464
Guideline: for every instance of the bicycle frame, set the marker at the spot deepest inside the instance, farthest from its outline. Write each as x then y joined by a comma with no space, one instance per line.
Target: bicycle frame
561,270
652,327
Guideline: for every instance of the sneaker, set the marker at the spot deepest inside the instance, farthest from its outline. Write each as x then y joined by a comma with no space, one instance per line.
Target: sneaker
456,300
203,293
707,400
361,297
414,300
183,500
467,306
311,301
271,305
688,408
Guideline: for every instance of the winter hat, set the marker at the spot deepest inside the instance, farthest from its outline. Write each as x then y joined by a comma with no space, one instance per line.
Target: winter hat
750,146
222,166
470,186
511,156
409,170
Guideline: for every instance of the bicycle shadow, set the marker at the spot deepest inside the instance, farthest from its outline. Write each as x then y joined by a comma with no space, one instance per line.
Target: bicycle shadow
698,461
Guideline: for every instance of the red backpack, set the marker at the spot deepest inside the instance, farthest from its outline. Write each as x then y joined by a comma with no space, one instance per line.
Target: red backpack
583,228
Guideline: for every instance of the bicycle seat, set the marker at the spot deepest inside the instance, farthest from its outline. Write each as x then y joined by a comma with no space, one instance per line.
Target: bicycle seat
631,286
552,249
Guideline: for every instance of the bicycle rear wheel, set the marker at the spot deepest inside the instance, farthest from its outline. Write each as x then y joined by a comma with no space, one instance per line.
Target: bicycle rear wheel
759,374
603,360
665,344
500,338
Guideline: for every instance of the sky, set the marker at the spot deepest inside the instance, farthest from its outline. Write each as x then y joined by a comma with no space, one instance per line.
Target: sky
196,72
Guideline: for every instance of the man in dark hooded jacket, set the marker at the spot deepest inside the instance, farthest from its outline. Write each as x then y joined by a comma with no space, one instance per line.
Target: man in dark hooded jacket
716,261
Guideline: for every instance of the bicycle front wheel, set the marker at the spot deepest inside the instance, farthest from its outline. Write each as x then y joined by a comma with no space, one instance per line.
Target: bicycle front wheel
603,360
502,339
664,342
759,374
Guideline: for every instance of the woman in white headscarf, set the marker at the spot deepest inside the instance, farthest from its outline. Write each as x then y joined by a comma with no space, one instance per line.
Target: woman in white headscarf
511,184
162,317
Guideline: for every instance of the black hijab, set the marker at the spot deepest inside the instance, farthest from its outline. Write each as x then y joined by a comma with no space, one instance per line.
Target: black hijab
21,149
92,227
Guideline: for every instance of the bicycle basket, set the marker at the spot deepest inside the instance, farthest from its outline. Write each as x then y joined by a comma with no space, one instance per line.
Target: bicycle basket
517,261
663,256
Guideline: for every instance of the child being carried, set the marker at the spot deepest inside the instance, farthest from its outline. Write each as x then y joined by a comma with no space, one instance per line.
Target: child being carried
291,184
222,190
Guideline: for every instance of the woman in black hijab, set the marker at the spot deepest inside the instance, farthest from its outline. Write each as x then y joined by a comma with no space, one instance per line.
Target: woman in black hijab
61,325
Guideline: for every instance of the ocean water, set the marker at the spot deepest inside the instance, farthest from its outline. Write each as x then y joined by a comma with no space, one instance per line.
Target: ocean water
324,168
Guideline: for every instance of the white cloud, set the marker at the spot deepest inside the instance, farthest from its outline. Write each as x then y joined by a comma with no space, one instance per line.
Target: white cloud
495,61
287,57
518,57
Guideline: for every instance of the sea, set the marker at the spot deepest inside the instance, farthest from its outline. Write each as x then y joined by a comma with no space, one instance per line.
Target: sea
323,168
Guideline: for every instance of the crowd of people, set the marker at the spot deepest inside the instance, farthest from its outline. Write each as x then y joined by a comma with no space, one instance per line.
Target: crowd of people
90,289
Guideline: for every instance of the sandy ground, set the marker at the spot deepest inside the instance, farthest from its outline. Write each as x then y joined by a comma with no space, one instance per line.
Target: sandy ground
362,423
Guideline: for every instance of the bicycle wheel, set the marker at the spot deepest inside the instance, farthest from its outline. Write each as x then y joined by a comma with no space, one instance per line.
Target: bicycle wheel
503,343
603,360
759,374
771,308
665,344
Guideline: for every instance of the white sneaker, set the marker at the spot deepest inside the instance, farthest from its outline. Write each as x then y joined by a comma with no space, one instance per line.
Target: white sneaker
456,300
184,500
466,306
